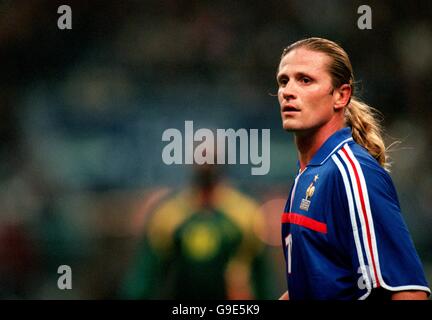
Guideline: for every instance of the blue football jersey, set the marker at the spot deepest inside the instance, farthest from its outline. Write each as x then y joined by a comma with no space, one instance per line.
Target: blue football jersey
343,233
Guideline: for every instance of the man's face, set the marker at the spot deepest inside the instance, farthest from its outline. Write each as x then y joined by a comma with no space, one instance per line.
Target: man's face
305,90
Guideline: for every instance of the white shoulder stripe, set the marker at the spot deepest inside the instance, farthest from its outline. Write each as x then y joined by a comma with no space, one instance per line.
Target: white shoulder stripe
358,191
368,212
357,241
336,148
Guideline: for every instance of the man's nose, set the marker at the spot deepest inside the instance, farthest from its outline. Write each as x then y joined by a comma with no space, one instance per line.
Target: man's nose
288,92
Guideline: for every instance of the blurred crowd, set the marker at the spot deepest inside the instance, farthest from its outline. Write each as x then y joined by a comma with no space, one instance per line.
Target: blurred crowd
82,113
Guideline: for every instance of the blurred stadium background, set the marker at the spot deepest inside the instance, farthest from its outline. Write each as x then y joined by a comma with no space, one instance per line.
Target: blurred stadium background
82,113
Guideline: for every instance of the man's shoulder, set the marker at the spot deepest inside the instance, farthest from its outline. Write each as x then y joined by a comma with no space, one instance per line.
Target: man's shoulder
367,162
354,160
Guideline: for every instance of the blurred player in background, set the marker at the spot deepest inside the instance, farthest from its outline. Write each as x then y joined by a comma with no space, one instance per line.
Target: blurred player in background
342,230
201,243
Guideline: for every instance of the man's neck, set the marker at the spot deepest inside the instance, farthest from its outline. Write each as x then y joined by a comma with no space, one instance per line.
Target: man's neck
309,143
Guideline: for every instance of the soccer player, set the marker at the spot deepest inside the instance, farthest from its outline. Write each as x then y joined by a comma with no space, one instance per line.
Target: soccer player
200,243
342,230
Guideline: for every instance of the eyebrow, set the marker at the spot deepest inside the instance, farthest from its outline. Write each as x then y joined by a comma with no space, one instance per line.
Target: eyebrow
296,75
279,77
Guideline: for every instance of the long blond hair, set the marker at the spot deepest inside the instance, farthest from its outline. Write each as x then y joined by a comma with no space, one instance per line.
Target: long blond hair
362,118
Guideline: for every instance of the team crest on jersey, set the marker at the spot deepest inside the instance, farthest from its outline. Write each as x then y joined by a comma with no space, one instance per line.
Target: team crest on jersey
305,203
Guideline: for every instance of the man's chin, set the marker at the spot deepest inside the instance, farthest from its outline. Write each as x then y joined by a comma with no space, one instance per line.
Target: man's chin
289,127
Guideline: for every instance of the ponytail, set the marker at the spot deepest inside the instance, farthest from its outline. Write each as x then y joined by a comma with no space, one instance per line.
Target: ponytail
366,130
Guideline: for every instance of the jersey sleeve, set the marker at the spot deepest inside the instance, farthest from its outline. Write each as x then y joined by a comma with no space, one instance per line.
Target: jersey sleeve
384,249
395,262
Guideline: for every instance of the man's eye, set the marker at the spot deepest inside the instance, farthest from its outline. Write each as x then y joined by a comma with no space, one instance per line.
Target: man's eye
283,82
305,80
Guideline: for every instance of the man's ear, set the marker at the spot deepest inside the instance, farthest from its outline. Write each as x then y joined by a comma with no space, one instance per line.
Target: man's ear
342,96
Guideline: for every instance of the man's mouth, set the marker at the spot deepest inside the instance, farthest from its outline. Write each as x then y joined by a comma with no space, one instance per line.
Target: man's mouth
289,108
